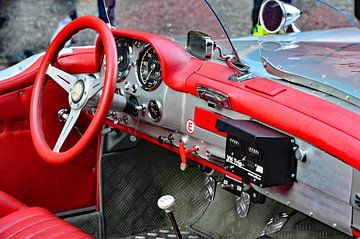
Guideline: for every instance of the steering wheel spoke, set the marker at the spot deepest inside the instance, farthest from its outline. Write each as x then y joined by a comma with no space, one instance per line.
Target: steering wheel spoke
65,80
69,125
95,86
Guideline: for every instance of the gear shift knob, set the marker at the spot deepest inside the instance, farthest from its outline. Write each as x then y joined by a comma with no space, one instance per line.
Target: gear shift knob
166,203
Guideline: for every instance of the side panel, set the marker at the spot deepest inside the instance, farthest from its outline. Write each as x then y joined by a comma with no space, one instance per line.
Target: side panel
23,174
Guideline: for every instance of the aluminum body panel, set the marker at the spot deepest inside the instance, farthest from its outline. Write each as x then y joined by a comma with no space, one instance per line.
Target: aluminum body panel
324,172
314,203
329,64
323,186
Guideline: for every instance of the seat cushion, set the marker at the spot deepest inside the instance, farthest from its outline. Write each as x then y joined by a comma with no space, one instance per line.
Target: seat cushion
9,204
36,222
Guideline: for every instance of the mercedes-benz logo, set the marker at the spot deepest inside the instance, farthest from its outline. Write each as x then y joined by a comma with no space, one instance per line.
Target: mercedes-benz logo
77,91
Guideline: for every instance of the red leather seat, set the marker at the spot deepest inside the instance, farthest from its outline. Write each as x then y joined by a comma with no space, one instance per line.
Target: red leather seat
20,221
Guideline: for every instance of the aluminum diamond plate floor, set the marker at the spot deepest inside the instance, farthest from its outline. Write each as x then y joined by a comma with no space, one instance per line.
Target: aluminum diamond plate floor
133,181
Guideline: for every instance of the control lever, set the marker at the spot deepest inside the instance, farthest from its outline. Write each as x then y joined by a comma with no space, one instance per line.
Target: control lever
183,154
133,107
167,204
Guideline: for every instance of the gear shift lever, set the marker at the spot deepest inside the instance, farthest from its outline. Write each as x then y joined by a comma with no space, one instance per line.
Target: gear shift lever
167,203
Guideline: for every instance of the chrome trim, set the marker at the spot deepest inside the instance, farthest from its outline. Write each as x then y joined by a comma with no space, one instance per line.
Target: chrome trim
101,206
214,96
121,75
76,211
289,15
209,45
23,65
146,47
304,81
158,104
283,20
19,67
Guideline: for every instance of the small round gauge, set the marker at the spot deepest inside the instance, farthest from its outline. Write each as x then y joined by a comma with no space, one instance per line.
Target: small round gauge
149,70
124,50
154,110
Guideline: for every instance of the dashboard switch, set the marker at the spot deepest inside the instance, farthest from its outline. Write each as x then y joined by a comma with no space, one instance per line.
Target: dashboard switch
134,88
127,85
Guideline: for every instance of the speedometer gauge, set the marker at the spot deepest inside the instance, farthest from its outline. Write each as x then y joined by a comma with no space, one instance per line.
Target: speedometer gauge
124,50
149,70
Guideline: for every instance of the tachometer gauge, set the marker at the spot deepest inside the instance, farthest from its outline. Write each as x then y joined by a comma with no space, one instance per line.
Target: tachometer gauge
124,58
149,70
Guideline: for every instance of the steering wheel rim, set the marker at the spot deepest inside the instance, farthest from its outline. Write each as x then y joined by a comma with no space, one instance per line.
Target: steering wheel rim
36,105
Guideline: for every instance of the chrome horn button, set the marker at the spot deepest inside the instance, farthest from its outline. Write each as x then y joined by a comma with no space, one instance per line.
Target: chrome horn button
77,91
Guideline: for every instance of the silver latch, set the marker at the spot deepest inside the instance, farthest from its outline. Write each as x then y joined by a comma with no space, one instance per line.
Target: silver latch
214,97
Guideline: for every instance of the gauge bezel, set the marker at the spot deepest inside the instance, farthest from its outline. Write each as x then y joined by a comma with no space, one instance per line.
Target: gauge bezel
126,72
156,120
141,55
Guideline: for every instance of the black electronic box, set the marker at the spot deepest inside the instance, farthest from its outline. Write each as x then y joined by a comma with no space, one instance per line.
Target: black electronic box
258,154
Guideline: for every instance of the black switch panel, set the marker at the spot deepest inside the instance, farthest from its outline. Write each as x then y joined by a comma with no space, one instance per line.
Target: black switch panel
258,154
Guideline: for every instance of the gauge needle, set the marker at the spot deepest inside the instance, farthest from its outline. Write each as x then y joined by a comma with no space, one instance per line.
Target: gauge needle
152,67
121,59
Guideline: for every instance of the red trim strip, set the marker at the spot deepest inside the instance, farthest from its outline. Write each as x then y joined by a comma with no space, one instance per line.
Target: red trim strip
173,149
207,120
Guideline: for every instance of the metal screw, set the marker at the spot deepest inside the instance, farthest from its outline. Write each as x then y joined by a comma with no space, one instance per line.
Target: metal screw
137,44
300,155
171,137
311,214
197,148
125,119
207,153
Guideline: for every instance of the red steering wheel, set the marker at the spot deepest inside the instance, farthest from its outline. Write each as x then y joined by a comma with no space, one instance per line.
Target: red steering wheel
79,88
